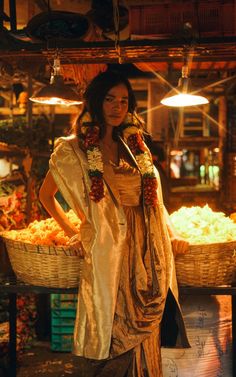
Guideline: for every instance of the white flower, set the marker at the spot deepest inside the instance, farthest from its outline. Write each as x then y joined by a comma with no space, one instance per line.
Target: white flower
95,159
144,163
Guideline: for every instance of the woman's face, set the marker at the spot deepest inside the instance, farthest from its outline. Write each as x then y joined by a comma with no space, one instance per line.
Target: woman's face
115,105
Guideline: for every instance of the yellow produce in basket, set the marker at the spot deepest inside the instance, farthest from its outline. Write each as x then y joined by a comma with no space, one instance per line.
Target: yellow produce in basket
233,216
44,232
201,225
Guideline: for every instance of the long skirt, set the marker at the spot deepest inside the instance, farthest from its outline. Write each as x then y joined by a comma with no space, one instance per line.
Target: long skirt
142,361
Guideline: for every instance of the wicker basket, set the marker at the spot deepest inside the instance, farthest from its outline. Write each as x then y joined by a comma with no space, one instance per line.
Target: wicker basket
207,265
48,266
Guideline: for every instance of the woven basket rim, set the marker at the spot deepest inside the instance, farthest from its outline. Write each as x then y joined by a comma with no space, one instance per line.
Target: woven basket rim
44,265
62,247
212,250
213,243
31,248
213,246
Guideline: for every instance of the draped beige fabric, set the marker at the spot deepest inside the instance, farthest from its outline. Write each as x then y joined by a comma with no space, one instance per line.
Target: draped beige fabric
129,264
142,290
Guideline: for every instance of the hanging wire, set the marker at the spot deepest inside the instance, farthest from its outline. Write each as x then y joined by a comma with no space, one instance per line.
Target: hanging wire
49,7
116,17
50,58
55,54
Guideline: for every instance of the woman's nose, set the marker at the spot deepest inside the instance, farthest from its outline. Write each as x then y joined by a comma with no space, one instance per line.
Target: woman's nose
117,104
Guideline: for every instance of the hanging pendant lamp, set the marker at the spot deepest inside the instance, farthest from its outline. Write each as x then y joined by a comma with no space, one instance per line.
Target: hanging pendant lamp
184,95
57,92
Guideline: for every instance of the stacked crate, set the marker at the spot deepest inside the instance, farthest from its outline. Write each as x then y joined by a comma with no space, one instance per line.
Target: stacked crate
63,313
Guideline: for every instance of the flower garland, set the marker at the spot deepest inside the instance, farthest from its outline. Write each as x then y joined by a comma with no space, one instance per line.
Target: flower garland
90,137
133,137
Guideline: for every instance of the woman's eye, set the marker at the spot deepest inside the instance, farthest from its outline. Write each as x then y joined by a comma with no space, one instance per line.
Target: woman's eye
109,99
123,102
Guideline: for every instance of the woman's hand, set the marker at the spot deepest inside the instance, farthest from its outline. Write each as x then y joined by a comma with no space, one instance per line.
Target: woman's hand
179,245
75,243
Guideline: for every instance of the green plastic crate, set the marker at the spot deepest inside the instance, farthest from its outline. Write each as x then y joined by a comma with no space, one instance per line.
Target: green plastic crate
62,342
63,301
63,313
62,321
62,329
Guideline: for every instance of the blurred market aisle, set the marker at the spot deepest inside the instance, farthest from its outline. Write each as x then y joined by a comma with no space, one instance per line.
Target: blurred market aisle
41,361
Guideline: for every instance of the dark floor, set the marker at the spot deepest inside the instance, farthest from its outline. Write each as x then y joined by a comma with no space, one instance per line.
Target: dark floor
41,361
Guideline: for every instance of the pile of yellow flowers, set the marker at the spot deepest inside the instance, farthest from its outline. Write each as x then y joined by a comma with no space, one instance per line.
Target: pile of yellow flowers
200,225
44,232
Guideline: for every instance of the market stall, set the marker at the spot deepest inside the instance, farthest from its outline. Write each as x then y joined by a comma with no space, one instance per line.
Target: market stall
199,142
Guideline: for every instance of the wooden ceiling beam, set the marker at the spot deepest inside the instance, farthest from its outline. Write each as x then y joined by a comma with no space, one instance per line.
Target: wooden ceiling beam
167,50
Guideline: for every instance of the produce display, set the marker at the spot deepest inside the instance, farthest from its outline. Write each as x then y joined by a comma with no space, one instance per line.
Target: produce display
26,317
200,225
44,232
233,216
12,206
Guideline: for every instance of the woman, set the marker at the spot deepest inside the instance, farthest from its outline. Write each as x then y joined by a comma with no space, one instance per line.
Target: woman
105,173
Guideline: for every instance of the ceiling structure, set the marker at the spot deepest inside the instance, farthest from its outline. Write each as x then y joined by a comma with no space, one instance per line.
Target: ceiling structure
205,50
163,54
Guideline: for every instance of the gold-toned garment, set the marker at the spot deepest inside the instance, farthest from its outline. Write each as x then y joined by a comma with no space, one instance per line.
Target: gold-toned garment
127,272
139,300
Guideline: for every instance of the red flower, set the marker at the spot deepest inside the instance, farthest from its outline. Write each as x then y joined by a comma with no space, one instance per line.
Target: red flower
18,217
136,143
137,146
150,191
97,189
92,137
19,195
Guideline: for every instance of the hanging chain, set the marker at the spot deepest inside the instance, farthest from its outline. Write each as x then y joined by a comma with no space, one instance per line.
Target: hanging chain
116,17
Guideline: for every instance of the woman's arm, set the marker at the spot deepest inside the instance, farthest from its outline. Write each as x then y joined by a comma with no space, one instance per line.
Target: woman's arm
179,244
47,194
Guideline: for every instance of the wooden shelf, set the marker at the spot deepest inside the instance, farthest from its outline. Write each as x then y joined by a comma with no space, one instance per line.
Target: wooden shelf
162,50
39,110
11,150
15,111
196,142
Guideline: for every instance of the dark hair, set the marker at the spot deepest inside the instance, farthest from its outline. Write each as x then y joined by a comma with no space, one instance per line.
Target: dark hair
95,94
155,148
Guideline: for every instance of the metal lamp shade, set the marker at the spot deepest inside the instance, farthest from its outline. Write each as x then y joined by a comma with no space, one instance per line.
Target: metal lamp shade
183,95
57,93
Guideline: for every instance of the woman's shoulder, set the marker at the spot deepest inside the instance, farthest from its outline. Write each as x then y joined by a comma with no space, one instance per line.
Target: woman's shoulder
67,146
64,145
65,141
